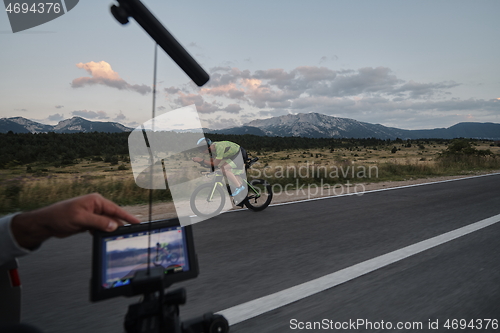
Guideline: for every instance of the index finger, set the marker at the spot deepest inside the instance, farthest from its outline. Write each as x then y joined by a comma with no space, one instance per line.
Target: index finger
110,209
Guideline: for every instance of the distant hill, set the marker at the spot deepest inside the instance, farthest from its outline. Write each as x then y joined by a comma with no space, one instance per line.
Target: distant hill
73,125
315,125
239,131
310,125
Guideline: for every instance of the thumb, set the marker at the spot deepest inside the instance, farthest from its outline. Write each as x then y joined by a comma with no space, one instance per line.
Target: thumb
103,223
112,225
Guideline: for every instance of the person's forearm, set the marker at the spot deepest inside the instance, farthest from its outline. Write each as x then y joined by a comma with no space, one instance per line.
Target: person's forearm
66,218
28,230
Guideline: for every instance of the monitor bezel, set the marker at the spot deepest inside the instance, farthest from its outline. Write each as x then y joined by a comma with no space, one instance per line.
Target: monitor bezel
98,292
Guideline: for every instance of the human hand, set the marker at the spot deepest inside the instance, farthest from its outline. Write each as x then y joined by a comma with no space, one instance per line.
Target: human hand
198,159
66,218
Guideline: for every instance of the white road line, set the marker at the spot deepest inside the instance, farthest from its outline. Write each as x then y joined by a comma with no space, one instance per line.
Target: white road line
268,303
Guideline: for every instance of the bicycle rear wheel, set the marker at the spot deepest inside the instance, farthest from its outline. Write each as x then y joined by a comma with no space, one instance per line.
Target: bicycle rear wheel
208,200
259,196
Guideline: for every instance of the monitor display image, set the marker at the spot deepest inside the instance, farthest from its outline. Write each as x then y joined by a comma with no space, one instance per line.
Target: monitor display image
124,255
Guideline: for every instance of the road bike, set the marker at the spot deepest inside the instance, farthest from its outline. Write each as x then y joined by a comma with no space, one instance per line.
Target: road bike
164,257
209,199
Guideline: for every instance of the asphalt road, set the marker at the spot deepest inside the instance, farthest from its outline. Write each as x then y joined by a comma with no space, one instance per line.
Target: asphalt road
246,255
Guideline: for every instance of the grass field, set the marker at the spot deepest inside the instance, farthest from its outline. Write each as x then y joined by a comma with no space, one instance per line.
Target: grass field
24,187
407,162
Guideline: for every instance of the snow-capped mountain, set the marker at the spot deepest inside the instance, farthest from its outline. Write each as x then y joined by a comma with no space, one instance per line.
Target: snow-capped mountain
30,125
317,125
77,124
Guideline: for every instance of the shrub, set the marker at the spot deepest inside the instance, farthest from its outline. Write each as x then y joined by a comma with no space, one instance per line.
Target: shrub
111,159
464,147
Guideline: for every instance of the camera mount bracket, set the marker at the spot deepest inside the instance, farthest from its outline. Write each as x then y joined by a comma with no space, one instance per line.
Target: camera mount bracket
159,311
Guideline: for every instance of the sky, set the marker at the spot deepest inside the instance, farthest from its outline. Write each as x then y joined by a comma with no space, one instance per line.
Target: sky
406,64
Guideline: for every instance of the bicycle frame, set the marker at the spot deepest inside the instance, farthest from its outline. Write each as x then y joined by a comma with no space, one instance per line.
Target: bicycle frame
254,190
218,176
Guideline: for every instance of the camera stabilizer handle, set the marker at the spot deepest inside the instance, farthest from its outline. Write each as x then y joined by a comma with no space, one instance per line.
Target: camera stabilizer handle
158,312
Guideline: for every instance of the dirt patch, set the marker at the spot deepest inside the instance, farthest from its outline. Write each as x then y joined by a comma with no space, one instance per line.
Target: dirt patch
160,211
167,210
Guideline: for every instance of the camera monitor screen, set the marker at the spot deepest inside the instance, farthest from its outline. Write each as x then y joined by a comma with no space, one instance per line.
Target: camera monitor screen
120,254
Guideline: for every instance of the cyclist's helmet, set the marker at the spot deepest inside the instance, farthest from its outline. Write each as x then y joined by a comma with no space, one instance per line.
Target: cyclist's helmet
203,144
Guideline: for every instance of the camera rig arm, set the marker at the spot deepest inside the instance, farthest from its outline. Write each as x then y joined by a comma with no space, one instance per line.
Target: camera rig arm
159,311
137,10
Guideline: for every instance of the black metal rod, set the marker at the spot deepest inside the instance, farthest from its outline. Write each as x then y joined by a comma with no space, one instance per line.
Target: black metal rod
167,42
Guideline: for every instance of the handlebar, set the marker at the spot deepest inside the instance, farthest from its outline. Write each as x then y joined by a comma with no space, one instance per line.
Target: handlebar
251,162
248,164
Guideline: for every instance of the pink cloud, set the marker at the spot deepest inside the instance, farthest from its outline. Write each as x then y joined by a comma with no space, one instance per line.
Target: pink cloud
102,73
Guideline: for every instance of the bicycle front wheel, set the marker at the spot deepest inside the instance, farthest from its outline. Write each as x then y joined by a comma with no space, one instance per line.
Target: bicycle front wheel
259,196
157,260
208,200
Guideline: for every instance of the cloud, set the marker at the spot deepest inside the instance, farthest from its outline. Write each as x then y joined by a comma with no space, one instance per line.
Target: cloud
228,90
59,106
201,105
90,114
368,93
233,108
120,117
315,74
132,124
277,88
324,59
172,90
56,117
364,80
101,73
420,90
221,122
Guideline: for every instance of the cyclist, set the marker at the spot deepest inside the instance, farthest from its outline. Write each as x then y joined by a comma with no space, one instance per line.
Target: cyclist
162,248
229,156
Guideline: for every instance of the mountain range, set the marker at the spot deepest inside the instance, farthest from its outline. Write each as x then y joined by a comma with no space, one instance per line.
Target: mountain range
315,125
73,125
312,125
